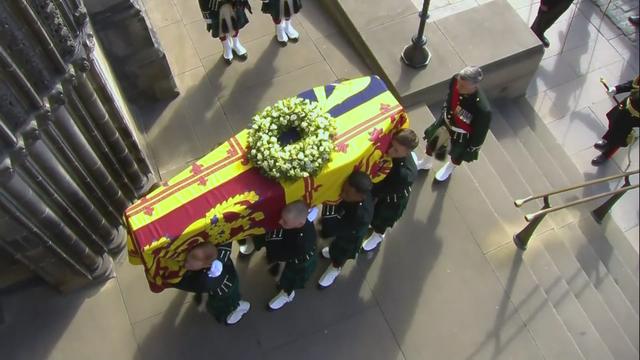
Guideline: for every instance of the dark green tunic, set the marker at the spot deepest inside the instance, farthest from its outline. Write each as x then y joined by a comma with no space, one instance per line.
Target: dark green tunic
295,247
272,7
211,11
223,290
474,109
392,194
348,222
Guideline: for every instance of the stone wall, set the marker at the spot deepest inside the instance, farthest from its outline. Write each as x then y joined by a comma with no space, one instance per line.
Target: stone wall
69,159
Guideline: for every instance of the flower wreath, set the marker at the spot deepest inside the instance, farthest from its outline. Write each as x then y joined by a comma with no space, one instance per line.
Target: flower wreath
290,159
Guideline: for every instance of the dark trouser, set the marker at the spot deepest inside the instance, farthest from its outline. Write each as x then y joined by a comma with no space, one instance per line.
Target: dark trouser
545,19
343,248
295,276
621,123
218,305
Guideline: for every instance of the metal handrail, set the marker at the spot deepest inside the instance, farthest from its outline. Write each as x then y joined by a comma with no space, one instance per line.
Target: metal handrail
536,214
520,202
521,239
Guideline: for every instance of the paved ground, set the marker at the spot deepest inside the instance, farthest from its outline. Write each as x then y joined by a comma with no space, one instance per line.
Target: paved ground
436,299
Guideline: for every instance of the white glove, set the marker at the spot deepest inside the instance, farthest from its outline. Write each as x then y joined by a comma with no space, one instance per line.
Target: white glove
313,214
611,91
216,269
208,21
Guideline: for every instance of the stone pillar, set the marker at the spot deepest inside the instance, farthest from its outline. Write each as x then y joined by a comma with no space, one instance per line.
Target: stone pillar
70,160
132,48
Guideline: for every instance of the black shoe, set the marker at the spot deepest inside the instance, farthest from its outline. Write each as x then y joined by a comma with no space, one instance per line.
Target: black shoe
545,41
599,160
601,145
634,20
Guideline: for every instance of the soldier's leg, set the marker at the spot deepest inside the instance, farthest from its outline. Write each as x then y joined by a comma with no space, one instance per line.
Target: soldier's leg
341,249
281,34
607,152
225,27
294,276
228,307
237,47
384,216
292,34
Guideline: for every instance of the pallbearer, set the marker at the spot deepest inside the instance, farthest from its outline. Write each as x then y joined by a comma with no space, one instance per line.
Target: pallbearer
210,270
348,222
294,246
391,195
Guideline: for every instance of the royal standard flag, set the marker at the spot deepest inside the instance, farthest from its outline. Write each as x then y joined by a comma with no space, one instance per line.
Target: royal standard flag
222,197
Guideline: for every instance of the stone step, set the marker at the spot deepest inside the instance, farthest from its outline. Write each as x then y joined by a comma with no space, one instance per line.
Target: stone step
609,257
516,184
499,199
602,281
532,305
487,228
537,130
559,169
586,294
564,302
624,249
505,116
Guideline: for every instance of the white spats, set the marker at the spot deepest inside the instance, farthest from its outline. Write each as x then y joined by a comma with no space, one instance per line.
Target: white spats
281,299
372,242
425,164
247,247
325,252
445,171
237,47
281,34
329,276
227,50
290,31
236,315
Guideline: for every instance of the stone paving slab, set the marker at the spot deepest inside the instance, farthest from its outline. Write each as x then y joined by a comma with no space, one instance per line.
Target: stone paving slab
618,11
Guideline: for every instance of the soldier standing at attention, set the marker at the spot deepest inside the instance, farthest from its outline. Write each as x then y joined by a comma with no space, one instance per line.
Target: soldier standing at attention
622,119
210,270
224,19
548,12
392,193
348,222
462,126
294,244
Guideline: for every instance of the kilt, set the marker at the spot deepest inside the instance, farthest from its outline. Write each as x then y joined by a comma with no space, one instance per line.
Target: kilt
220,306
272,7
459,142
343,248
295,276
387,212
221,26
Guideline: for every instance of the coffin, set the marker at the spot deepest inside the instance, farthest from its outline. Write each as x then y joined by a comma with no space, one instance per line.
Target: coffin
222,197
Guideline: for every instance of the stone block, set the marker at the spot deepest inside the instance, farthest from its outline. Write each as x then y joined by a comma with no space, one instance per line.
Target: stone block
133,51
509,63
